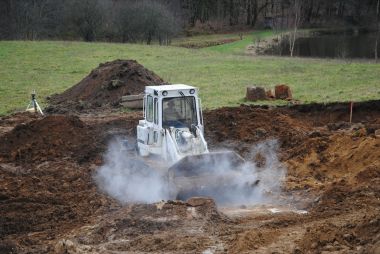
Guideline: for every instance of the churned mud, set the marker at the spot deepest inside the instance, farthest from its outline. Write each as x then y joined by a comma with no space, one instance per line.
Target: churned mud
329,202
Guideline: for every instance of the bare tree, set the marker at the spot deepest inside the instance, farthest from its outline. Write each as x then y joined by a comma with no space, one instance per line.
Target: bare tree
29,19
295,17
101,19
85,17
378,30
253,9
146,21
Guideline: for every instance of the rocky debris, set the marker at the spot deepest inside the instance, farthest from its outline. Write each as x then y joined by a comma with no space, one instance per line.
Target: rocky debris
104,87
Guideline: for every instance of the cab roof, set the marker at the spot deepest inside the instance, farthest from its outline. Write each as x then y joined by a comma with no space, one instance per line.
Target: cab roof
173,87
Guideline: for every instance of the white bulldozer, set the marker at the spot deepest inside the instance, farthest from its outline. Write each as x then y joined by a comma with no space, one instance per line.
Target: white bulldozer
173,129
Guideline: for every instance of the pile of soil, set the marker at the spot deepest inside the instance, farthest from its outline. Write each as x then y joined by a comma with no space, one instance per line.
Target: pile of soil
239,128
53,137
7,123
104,87
351,155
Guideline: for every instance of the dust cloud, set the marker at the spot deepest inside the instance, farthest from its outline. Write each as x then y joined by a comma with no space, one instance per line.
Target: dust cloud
129,180
257,181
265,171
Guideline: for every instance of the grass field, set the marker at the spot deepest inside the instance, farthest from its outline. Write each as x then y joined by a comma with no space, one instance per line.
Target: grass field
221,72
237,47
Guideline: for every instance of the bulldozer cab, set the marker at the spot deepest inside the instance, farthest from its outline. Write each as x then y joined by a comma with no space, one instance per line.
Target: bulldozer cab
180,112
169,108
172,106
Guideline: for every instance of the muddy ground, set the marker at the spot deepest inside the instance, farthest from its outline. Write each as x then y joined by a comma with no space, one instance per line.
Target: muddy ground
49,202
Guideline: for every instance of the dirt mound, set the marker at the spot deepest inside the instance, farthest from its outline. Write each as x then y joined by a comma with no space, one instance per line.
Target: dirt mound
241,127
7,123
331,156
49,138
18,118
105,86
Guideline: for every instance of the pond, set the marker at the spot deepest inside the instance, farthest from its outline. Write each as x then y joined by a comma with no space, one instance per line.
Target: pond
347,44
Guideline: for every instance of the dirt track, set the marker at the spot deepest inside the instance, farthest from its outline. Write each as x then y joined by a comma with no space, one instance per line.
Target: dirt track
49,202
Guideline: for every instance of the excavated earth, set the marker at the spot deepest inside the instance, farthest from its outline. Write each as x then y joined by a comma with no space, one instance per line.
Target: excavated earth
49,202
103,87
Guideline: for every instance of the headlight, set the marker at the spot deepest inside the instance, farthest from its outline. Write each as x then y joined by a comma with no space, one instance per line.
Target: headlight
192,91
164,93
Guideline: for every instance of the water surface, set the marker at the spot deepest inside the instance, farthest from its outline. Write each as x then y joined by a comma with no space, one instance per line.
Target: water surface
349,44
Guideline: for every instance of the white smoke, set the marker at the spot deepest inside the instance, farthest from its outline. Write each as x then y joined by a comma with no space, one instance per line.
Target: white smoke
266,175
128,179
248,183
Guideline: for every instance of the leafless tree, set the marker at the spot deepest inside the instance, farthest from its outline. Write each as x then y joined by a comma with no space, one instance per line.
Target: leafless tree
377,30
101,19
146,21
295,19
85,17
253,10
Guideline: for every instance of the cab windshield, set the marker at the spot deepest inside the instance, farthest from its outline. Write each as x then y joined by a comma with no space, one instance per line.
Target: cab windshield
179,112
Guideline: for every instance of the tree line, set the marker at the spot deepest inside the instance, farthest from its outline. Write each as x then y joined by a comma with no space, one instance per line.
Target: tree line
161,20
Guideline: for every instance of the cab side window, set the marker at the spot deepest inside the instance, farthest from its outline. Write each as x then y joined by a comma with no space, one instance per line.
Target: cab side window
155,110
149,107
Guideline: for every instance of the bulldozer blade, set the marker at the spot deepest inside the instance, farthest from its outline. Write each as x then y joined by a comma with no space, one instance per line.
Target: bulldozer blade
216,175
195,165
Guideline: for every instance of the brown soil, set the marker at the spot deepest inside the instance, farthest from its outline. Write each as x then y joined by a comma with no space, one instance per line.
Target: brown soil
104,87
49,202
244,126
50,138
7,123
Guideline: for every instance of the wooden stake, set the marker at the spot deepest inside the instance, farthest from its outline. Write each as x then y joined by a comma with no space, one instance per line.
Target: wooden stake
351,108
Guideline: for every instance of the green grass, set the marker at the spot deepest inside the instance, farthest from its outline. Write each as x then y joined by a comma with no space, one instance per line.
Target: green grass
203,40
236,47
239,47
221,75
